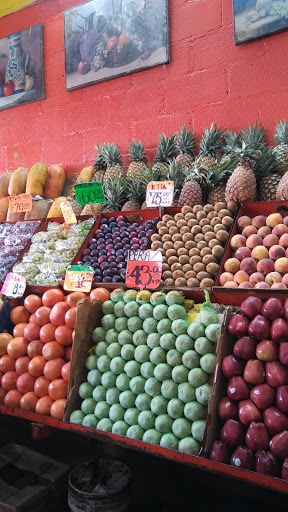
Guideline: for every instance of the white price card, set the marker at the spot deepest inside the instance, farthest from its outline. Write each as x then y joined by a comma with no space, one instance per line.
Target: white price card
14,286
159,193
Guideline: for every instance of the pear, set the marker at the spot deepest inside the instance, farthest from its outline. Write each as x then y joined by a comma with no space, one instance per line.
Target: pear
157,298
143,296
130,295
174,297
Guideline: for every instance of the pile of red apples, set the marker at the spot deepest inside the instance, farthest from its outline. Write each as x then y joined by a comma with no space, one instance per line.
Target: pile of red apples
254,413
260,254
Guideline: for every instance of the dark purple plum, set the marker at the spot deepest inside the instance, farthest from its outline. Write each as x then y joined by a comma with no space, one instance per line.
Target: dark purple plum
113,264
86,252
117,279
119,259
107,279
118,246
125,241
112,219
97,279
135,247
122,264
111,259
126,247
143,247
120,218
101,259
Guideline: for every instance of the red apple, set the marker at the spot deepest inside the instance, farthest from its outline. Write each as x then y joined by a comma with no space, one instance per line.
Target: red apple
283,353
232,432
282,398
227,409
267,464
284,473
8,88
248,412
259,328
272,308
83,67
251,307
231,366
267,350
243,458
286,309
237,388
275,420
276,374
245,347
257,437
238,325
279,330
279,444
220,452
254,372
263,396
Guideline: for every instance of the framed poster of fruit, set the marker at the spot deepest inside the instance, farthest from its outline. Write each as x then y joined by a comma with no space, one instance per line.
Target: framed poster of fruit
258,18
21,67
105,39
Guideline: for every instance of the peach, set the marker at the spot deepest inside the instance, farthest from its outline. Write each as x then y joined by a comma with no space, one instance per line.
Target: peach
270,240
260,252
248,265
284,240
264,231
249,230
278,286
286,253
253,241
226,276
276,252
285,279
262,285
244,221
265,266
242,252
241,276
230,284
259,221
255,278
232,265
285,221
238,241
274,219
281,265
246,284
273,277
280,230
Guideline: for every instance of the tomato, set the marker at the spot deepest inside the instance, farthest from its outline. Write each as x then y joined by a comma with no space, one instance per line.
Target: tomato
58,389
65,371
17,347
8,88
112,43
100,294
70,317
74,297
32,303
57,315
4,340
21,365
63,335
32,319
35,348
36,366
2,395
19,315
51,297
124,39
52,369
47,333
42,315
52,350
32,332
9,380
28,401
41,386
7,364
44,405
19,329
25,383
68,353
12,398
58,409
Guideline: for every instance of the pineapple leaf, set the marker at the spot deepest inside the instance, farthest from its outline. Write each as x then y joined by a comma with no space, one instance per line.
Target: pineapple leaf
254,136
185,142
211,141
266,164
166,148
137,152
281,133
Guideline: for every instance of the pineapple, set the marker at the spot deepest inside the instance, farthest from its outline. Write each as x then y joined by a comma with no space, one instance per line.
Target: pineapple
210,144
232,141
98,207
76,207
165,150
241,185
191,193
135,193
266,171
281,150
185,146
217,179
99,164
138,161
111,156
115,194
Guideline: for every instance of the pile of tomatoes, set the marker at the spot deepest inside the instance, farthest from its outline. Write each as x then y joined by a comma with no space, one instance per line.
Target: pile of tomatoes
35,361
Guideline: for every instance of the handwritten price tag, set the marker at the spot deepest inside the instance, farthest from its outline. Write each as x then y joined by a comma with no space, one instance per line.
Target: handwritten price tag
78,278
14,286
19,204
144,269
89,193
159,193
68,214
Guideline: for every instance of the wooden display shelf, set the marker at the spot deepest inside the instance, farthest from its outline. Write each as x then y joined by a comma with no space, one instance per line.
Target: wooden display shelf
250,477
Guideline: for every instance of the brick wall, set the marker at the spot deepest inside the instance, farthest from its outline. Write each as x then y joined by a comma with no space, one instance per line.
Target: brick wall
209,79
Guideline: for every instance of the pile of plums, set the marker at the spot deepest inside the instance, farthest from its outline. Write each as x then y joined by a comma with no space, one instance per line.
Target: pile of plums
107,251
254,413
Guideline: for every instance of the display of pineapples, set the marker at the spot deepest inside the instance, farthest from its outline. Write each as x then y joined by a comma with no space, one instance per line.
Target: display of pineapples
281,150
241,186
185,147
217,179
166,149
112,158
115,194
210,144
137,157
100,165
267,175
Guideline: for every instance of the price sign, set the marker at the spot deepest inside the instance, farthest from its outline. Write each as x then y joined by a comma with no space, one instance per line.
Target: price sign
14,286
68,214
19,204
89,193
159,193
78,278
144,269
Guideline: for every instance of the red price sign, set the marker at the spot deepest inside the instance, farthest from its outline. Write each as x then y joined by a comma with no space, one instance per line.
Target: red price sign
144,269
19,204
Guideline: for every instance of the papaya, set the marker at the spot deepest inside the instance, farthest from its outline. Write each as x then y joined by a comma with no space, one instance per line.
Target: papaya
39,210
18,182
55,182
86,174
4,183
4,205
37,178
55,210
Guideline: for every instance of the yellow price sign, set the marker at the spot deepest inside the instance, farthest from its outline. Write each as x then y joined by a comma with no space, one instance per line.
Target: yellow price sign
68,214
79,278
159,193
19,204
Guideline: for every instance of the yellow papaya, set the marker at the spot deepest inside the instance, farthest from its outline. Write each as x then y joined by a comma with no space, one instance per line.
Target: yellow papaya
4,183
55,210
17,184
86,174
37,178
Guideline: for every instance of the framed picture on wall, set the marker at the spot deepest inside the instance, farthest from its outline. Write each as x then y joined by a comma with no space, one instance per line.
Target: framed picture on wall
21,67
258,18
105,39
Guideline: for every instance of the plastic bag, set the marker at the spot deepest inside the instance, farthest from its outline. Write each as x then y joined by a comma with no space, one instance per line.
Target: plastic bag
208,314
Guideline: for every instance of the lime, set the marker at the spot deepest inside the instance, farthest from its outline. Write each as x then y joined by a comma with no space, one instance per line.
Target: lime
139,337
197,377
203,393
181,428
203,346
120,428
189,445
194,411
125,337
116,412
153,340
167,341
163,423
131,416
103,363
150,325
122,382
175,408
91,362
117,365
112,396
119,309
77,417
143,402
196,330
173,358
114,350
99,393
108,307
146,419
158,355
160,312
86,390
198,429
169,441
208,363
121,324
147,370
159,405
135,432
127,352
108,380
101,348
105,425
131,309
98,334
191,359
127,399
134,323
102,410
184,343
180,374
132,369
179,327
186,393
152,436
142,353
111,336
152,387
164,326
108,321
176,312
137,385
90,421
169,389
94,377
162,372
145,311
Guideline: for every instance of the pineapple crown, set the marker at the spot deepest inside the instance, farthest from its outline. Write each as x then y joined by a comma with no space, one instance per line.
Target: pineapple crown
166,148
220,174
245,152
111,154
135,190
151,174
266,164
99,164
185,142
137,152
115,193
232,141
175,174
211,141
254,136
281,133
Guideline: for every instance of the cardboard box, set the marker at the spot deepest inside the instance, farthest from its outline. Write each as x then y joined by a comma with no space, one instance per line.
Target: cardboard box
29,481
